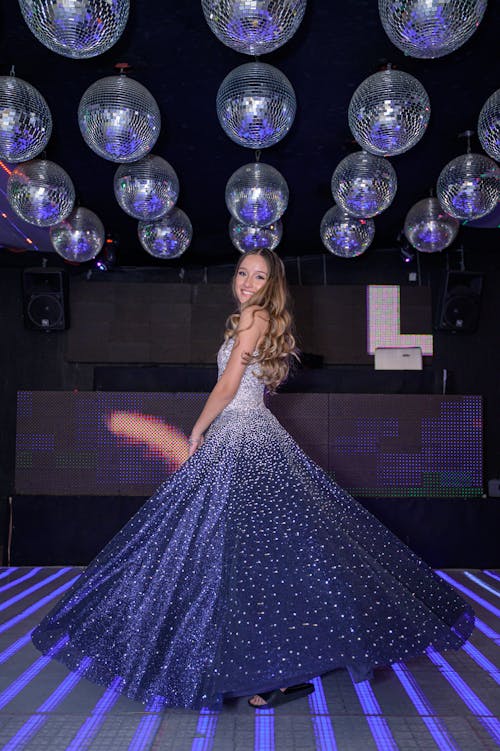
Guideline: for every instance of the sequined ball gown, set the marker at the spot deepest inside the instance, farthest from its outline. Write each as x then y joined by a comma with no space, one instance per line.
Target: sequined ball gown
248,569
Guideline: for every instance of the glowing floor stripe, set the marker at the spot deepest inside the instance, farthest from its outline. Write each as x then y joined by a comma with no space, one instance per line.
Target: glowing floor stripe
264,730
492,574
15,647
487,630
435,725
482,661
8,571
37,605
322,724
379,728
90,727
485,604
148,725
482,583
22,681
207,723
20,579
468,696
34,588
38,719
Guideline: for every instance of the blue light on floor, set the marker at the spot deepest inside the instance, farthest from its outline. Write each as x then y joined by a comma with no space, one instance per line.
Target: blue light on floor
264,730
29,590
482,583
148,726
20,579
37,605
487,630
379,728
32,726
483,662
15,647
468,696
207,723
22,681
435,725
492,574
8,572
322,724
90,727
466,591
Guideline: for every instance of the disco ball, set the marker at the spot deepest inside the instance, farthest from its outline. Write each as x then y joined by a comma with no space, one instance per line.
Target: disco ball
469,186
25,120
345,235
40,192
428,228
168,237
364,185
76,28
256,105
146,189
389,112
488,128
119,119
430,28
79,237
247,237
257,194
254,27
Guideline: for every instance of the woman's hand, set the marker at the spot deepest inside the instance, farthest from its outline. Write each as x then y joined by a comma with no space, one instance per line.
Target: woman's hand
195,441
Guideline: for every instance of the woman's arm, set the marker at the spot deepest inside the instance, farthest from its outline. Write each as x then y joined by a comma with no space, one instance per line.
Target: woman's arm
226,387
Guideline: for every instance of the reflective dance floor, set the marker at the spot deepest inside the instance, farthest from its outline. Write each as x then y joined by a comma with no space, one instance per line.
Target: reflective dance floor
449,702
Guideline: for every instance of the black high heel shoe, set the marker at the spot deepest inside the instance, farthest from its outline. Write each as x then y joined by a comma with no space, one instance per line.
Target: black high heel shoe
277,697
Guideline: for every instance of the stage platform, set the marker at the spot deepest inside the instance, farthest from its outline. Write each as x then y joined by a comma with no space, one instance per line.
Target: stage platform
449,702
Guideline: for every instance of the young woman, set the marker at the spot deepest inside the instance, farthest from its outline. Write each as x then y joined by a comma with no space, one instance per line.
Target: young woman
249,571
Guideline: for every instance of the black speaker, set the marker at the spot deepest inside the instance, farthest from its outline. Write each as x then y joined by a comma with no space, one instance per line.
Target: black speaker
461,302
45,302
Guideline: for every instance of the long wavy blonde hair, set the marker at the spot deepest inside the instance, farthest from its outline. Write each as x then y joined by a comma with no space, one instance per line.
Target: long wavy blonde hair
278,346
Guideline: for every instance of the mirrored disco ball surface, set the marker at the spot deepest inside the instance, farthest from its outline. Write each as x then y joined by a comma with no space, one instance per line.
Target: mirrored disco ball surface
25,120
257,194
254,27
430,28
119,119
488,128
363,184
40,192
76,28
246,237
168,237
256,105
345,235
79,237
146,189
389,112
469,186
428,228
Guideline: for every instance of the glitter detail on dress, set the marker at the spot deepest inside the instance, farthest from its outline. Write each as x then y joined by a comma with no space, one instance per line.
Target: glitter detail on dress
249,569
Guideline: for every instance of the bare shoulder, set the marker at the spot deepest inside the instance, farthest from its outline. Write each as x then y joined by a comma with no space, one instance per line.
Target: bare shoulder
254,313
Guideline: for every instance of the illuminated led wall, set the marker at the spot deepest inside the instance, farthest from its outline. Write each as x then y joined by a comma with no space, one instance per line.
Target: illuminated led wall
391,445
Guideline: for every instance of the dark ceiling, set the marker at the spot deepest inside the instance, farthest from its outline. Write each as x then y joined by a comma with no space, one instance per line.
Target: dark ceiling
175,55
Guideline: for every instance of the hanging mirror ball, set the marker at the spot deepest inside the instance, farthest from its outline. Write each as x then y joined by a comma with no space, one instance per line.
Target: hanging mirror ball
345,235
430,28
168,237
364,185
257,194
428,228
488,128
246,237
25,120
119,119
76,28
469,186
256,105
254,27
147,189
389,112
79,237
41,192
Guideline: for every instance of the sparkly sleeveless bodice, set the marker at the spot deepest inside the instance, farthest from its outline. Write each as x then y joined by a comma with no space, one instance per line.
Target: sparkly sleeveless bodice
250,394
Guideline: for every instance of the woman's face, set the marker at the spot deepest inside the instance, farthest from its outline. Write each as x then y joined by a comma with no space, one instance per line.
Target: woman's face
252,274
